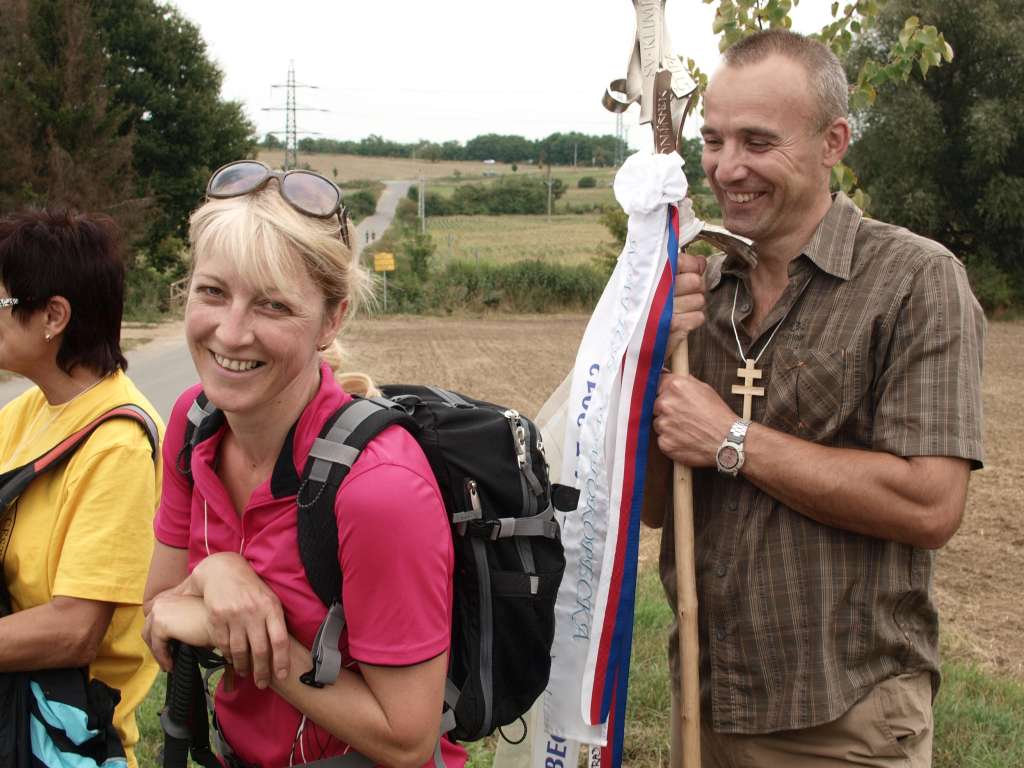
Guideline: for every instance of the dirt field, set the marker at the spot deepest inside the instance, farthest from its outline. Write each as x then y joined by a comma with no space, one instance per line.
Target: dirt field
980,573
353,167
357,167
518,361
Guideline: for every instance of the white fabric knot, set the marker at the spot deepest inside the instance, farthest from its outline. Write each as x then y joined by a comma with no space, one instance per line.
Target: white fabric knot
647,181
689,225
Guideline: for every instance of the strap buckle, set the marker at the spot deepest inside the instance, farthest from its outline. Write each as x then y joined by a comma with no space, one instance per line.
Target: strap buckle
325,653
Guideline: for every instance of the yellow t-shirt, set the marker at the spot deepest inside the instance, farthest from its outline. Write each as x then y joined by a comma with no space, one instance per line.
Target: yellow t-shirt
85,529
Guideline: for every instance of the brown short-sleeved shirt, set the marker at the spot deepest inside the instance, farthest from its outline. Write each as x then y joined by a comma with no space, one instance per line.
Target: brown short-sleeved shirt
879,348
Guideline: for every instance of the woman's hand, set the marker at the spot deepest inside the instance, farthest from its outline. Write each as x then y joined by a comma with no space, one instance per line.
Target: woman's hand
175,617
245,619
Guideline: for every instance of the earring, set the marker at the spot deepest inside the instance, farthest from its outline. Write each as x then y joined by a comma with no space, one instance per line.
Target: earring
322,348
48,337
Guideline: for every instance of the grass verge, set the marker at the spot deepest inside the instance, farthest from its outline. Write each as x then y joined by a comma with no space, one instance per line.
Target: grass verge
979,718
518,287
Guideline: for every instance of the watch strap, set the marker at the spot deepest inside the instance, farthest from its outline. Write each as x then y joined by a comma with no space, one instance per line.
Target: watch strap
738,431
733,442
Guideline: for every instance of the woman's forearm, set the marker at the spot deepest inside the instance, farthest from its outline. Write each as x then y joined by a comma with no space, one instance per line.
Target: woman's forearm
392,715
65,632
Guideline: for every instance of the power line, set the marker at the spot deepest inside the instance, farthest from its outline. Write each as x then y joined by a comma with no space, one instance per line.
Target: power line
291,131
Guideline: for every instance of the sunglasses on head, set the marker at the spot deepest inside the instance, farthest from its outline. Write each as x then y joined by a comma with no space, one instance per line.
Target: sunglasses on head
305,191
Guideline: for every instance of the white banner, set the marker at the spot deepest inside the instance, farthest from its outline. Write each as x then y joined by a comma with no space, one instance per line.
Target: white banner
593,415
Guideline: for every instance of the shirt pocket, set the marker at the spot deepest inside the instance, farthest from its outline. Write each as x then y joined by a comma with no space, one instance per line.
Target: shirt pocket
807,392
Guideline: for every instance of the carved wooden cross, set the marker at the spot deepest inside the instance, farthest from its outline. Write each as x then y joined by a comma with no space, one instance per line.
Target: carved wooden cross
749,392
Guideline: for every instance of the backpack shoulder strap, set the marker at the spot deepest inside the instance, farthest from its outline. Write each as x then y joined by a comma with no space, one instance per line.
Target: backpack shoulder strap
204,419
14,482
341,442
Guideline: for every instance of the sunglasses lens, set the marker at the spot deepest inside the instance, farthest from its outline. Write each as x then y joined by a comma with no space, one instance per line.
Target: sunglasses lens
311,193
236,179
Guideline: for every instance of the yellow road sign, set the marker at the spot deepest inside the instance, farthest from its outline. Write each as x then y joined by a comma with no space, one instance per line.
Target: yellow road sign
383,262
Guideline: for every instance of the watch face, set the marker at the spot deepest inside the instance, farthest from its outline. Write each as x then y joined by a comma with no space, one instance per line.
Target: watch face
728,457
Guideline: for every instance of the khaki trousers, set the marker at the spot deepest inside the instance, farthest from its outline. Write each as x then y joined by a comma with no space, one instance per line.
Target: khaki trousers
891,726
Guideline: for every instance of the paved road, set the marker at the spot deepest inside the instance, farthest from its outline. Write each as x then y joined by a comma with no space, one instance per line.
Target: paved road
372,227
163,368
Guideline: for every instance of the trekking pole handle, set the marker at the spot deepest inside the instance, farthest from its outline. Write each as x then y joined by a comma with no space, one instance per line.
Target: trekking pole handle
176,714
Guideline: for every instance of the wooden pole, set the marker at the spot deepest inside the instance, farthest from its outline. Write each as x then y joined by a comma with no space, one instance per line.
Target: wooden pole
665,135
686,596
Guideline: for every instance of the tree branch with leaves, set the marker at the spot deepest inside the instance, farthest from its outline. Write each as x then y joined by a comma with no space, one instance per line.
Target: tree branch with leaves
919,45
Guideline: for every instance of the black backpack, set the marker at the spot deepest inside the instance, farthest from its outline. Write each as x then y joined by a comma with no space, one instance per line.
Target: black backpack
489,465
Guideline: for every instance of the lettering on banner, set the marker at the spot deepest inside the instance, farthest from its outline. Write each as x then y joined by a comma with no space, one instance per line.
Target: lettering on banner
649,24
585,404
664,138
556,751
582,616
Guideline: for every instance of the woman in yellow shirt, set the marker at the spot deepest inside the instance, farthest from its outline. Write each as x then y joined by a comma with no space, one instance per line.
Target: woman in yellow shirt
75,547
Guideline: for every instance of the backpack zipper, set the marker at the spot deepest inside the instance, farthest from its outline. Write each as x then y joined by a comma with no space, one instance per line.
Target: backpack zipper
527,480
518,435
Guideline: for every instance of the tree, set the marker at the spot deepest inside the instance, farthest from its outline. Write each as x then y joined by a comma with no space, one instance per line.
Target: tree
161,75
428,150
888,64
506,149
112,105
61,135
944,155
917,46
419,250
691,151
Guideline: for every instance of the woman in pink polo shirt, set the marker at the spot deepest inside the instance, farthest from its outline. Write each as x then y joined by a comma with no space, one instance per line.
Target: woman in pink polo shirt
273,278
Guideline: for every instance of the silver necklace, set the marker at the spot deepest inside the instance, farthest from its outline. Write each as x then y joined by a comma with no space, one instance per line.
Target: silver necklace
748,374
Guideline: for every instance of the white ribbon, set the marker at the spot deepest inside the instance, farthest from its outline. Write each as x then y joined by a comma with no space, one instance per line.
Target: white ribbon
585,417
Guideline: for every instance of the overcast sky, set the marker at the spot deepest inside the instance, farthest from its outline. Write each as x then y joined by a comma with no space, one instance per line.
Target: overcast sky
446,69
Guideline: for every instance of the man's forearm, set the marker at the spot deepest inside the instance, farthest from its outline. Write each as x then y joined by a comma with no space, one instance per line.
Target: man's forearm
917,500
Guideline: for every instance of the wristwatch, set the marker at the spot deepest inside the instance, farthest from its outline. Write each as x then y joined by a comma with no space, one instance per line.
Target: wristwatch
730,453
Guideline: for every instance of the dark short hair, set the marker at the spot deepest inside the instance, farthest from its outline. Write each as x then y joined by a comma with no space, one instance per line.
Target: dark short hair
825,73
58,252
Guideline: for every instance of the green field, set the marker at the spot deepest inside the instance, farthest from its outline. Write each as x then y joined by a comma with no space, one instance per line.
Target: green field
601,195
565,239
572,198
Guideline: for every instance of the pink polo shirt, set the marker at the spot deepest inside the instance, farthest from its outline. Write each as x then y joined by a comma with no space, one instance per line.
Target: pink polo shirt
394,547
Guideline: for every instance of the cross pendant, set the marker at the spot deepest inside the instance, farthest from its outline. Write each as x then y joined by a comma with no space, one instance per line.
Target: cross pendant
749,392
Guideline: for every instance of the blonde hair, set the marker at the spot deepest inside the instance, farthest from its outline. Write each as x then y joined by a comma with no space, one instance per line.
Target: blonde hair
269,241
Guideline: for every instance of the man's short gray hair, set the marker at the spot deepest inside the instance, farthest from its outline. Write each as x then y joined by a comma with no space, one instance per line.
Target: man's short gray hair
823,68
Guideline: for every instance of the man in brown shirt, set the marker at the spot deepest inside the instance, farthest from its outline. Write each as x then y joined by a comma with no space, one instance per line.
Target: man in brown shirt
817,515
